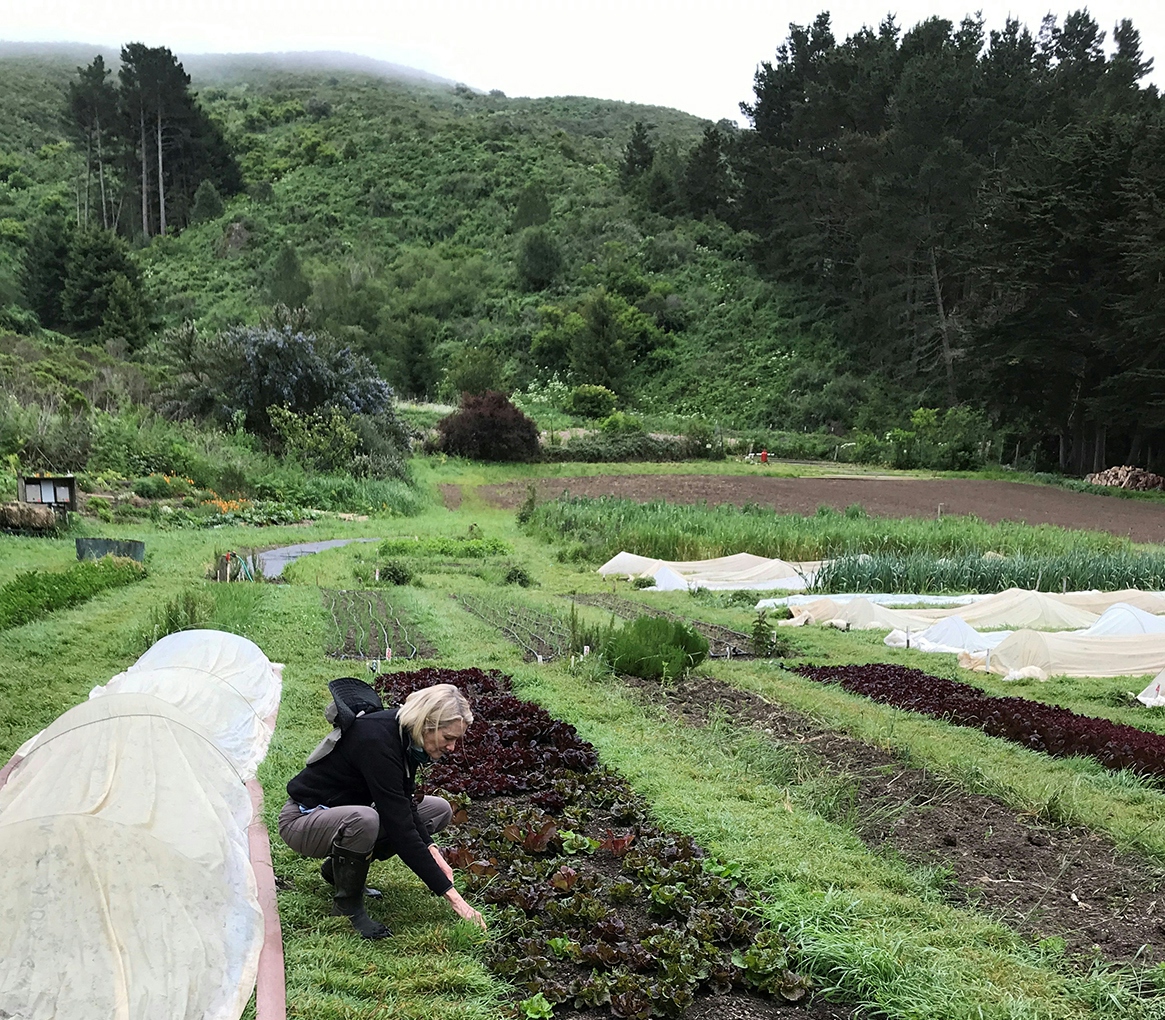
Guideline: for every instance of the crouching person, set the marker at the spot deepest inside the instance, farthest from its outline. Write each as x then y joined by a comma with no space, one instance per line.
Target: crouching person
353,802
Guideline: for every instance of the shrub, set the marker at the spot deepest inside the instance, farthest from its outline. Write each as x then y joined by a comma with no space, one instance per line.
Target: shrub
518,575
618,423
592,401
655,648
395,572
489,427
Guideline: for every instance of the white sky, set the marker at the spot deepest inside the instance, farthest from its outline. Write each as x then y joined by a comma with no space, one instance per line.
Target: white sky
696,56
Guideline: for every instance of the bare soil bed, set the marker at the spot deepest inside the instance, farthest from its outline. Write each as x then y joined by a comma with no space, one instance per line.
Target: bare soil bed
1041,879
881,497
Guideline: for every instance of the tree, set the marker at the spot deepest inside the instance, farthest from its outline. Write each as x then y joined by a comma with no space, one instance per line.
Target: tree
489,427
125,319
174,142
45,267
208,203
598,354
539,259
638,155
533,207
95,262
93,121
247,369
286,284
706,182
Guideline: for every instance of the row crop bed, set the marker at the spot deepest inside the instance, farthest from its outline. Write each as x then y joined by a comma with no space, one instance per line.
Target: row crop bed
926,573
368,627
541,636
599,908
32,595
723,643
1056,731
1006,862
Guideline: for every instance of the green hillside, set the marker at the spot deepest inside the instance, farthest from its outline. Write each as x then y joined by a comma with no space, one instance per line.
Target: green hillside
403,204
934,247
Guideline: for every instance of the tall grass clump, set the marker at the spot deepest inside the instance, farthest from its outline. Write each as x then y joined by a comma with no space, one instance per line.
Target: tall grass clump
597,528
655,648
926,573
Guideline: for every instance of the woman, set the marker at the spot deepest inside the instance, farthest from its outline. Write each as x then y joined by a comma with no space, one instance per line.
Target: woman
354,803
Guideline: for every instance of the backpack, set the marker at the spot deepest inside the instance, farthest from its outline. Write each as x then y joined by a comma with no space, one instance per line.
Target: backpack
351,698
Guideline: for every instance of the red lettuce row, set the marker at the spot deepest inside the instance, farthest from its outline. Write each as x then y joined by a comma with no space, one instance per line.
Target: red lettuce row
1056,731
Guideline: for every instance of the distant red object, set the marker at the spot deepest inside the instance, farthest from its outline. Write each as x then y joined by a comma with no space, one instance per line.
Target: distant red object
764,456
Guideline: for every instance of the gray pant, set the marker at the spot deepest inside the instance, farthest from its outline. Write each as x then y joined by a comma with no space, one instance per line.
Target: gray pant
352,827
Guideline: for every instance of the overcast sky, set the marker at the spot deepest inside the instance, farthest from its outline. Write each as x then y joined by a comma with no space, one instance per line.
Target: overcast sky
699,57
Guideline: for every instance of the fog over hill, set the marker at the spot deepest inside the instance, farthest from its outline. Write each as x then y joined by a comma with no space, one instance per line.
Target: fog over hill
228,68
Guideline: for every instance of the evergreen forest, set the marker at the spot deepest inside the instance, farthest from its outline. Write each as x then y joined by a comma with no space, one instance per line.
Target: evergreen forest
946,230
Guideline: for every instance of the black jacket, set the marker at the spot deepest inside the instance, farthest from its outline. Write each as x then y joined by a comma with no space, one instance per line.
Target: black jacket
369,765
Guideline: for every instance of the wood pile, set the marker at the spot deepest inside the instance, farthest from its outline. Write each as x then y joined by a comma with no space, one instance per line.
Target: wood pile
1125,477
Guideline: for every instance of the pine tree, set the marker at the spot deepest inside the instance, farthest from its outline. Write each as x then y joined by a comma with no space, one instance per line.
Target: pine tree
638,155
287,285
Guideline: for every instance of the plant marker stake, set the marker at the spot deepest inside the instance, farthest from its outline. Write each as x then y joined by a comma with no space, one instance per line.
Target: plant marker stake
539,659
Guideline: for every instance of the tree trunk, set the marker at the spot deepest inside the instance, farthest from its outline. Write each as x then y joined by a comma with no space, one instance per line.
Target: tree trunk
88,173
1063,451
161,185
944,331
1098,451
145,175
101,179
1135,448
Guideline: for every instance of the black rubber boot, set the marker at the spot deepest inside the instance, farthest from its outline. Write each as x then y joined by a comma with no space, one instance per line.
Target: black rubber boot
327,875
349,871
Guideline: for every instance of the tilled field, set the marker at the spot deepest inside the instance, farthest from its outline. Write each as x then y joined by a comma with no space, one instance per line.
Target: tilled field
1041,879
881,497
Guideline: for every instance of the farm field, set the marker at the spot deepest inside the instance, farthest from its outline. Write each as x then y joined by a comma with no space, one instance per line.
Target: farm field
915,868
880,496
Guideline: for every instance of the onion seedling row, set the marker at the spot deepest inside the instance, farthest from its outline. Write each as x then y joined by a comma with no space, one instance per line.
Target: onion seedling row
365,626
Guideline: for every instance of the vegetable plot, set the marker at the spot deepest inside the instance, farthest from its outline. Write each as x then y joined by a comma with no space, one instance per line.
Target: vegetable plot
542,637
34,594
1056,731
598,907
365,626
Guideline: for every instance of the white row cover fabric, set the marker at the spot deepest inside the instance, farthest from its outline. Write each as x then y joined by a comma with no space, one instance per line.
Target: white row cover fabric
950,635
223,680
128,894
739,572
954,634
1039,655
230,658
1015,608
1154,694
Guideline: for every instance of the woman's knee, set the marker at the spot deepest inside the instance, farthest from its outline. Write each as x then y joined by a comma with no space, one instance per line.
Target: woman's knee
435,813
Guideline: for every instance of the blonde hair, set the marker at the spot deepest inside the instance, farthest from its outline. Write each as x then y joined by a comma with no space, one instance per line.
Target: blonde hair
433,708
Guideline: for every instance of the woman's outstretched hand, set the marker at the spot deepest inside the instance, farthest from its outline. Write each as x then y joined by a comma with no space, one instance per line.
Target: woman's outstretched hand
464,910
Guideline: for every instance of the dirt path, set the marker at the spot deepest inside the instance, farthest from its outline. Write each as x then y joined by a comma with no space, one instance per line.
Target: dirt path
1041,879
905,497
